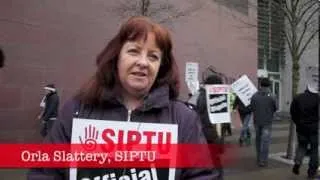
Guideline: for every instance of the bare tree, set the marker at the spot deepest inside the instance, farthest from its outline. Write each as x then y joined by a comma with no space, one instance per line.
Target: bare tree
298,30
161,10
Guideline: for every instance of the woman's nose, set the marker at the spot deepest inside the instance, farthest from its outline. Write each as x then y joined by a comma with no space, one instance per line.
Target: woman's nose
142,61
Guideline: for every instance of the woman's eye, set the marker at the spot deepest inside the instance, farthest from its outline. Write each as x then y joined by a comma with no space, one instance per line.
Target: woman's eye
133,51
154,57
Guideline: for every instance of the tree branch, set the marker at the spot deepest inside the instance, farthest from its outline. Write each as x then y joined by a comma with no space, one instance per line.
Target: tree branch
302,34
306,9
312,14
308,42
180,14
295,6
286,11
161,7
289,41
145,4
126,8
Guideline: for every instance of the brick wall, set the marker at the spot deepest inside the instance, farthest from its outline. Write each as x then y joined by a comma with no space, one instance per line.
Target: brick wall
57,42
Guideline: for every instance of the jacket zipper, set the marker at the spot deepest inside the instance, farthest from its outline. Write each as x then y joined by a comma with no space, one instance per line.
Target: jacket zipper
128,120
129,115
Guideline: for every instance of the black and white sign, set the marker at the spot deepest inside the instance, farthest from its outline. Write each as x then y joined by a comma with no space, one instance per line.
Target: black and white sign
218,101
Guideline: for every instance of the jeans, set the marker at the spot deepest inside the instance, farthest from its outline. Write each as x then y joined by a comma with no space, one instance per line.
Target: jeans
245,130
46,127
226,129
263,139
303,141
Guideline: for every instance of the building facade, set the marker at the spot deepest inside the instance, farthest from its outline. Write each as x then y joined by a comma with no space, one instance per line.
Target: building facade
274,59
57,42
271,46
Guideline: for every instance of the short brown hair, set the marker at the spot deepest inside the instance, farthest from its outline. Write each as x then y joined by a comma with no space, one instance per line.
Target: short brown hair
106,76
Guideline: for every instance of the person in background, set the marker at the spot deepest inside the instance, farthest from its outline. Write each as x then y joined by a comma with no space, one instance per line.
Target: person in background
226,129
304,110
42,105
245,117
263,107
210,130
1,58
50,104
136,80
189,103
192,100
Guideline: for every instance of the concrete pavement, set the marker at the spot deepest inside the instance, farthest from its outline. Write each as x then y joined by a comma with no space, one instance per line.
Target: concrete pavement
245,167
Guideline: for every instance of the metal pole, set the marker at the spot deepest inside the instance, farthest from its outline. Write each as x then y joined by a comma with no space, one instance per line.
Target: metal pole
291,141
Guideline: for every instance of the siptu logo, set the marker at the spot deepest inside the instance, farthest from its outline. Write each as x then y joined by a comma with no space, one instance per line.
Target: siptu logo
90,138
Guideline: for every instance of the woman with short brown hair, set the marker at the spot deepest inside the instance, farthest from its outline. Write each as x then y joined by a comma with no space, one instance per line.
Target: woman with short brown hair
136,81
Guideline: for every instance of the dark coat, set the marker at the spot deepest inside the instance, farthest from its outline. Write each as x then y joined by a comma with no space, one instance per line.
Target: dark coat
157,108
51,107
263,106
208,128
243,110
304,111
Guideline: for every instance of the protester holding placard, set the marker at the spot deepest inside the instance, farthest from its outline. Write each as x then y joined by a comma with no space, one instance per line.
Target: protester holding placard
263,107
210,130
50,106
1,58
136,80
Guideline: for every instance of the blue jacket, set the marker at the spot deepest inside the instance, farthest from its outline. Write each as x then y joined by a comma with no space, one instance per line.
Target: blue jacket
157,108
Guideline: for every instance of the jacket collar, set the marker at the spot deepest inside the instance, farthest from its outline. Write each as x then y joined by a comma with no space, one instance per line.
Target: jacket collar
51,93
157,98
265,90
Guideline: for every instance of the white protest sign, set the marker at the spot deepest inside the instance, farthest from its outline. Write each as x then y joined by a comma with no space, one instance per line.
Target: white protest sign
90,132
218,100
191,76
244,89
192,70
193,86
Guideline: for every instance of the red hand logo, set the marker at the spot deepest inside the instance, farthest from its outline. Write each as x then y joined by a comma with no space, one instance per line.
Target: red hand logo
90,139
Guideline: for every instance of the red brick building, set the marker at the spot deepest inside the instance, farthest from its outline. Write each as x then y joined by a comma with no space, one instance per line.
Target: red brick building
57,42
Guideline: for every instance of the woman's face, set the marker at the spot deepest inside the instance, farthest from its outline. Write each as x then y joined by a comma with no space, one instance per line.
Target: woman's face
138,65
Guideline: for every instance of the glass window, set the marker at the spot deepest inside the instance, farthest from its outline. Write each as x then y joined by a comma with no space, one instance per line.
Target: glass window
275,76
273,62
260,58
276,91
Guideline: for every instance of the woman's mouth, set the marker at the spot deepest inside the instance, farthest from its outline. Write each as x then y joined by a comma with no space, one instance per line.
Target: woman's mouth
141,74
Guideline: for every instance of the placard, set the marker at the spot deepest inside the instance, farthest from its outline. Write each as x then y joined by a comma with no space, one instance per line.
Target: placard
90,132
244,89
218,100
192,70
191,77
